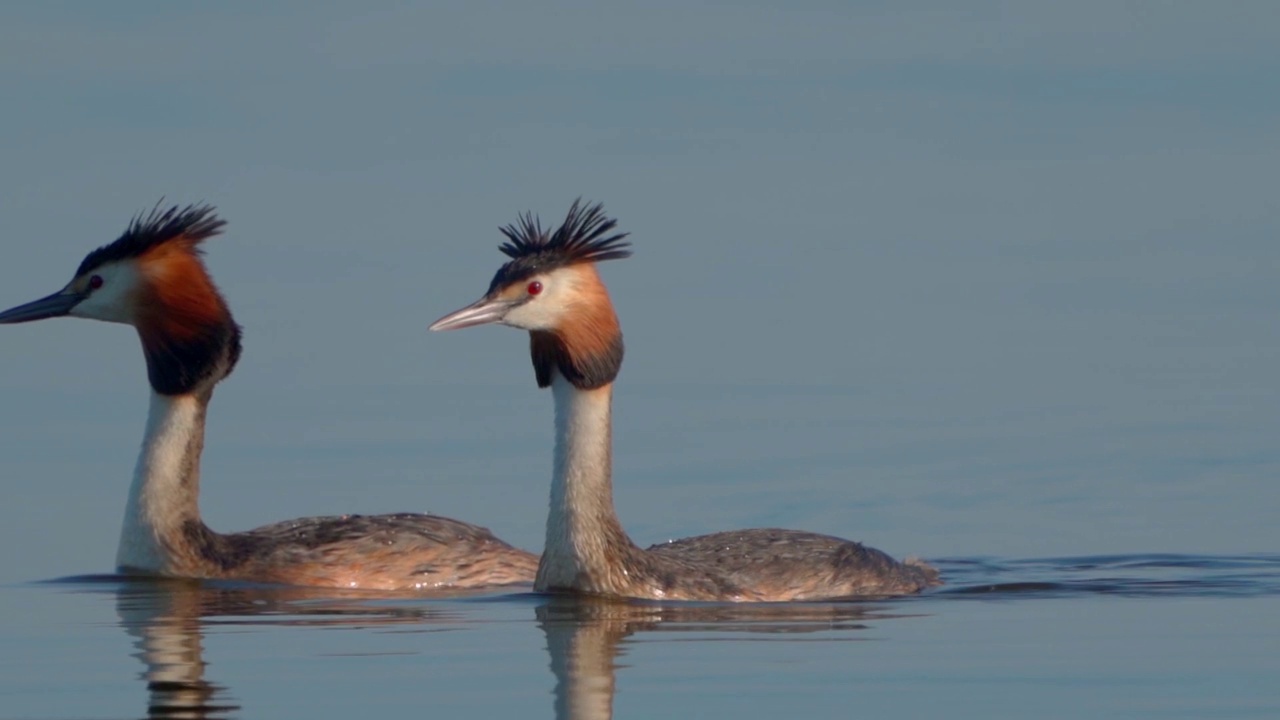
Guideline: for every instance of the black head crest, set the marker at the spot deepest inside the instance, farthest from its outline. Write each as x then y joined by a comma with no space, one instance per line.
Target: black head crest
193,223
581,238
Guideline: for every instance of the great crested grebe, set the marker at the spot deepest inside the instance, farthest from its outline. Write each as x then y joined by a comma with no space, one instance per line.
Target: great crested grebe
550,287
153,278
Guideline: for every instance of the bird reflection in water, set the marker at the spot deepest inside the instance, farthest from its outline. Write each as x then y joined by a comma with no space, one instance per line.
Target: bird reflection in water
585,637
169,618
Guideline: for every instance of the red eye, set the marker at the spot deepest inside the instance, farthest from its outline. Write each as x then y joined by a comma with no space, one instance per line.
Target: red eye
95,282
534,288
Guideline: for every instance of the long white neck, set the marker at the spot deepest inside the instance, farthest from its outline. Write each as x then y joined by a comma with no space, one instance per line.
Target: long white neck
164,496
583,532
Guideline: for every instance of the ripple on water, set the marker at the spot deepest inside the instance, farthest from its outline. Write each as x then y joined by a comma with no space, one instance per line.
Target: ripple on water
405,648
1143,575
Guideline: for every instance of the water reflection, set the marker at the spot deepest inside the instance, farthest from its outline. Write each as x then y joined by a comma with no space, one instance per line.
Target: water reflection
165,620
585,637
169,618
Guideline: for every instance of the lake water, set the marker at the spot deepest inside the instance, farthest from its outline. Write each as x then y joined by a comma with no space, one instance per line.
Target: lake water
1121,636
1097,564
995,285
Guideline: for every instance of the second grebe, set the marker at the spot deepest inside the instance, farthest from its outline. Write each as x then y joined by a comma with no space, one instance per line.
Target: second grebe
153,278
551,288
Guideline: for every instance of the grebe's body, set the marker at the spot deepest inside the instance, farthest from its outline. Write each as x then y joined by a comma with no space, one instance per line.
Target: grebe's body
153,278
551,288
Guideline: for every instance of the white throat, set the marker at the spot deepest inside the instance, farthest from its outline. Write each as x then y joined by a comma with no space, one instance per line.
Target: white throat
166,484
581,517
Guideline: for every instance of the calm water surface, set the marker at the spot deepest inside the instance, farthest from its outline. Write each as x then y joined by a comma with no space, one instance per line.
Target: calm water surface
1120,636
994,288
1033,516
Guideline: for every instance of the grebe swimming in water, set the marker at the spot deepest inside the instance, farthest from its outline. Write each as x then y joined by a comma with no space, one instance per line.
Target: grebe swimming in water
550,287
153,278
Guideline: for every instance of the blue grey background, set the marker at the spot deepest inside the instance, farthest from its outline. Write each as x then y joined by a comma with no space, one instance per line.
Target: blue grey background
999,280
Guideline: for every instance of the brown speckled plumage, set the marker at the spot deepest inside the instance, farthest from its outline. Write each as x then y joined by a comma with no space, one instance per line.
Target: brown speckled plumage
404,551
755,565
794,565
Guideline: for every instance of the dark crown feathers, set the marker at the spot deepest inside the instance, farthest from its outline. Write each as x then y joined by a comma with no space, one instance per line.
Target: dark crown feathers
581,238
193,223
